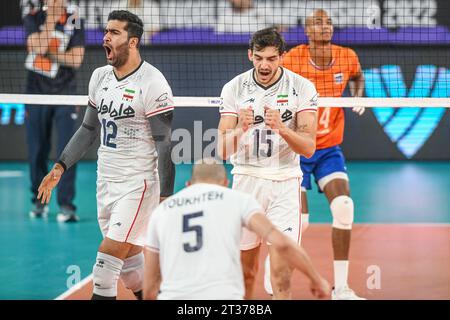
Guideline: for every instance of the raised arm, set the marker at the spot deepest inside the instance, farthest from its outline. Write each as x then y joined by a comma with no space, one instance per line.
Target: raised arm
38,41
71,58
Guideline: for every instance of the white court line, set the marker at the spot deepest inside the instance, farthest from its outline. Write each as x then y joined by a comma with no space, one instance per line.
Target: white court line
11,174
396,224
410,224
76,287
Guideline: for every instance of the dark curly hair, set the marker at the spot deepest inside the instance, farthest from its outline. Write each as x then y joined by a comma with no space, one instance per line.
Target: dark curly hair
134,27
269,37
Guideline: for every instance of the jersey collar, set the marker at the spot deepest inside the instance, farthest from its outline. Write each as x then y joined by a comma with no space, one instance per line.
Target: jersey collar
130,74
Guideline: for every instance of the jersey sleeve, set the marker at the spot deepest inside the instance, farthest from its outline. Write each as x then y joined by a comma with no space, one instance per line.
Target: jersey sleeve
228,97
152,239
307,97
354,65
158,97
249,207
93,84
77,39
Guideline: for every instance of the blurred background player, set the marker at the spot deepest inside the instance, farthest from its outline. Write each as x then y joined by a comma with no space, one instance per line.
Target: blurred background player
268,118
55,43
330,68
193,241
147,10
131,103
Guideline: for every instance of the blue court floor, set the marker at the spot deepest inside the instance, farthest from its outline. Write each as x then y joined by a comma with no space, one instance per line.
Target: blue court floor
40,259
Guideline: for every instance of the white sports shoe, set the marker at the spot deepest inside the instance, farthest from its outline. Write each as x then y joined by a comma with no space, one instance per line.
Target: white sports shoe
39,211
345,293
267,283
67,215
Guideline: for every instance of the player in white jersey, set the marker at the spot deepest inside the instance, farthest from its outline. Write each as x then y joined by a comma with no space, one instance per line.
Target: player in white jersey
130,106
193,241
268,119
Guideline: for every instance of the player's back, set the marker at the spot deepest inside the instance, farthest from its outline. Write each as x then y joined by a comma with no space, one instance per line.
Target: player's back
198,233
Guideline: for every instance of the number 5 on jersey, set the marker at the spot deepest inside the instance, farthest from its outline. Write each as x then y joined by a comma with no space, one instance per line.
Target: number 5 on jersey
189,227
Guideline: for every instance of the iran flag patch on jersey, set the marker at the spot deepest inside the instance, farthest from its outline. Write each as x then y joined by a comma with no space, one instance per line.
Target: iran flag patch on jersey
128,95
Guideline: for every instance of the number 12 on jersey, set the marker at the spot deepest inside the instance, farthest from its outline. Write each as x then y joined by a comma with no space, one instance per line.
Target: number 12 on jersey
108,137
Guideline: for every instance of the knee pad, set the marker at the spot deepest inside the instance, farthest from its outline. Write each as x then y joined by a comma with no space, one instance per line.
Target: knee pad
342,210
133,272
105,275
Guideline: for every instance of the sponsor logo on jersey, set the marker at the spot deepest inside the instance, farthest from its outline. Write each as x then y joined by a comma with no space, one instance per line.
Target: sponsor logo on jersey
313,101
163,97
339,78
285,116
122,113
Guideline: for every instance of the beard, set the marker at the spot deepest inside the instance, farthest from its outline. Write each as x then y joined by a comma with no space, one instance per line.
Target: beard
121,55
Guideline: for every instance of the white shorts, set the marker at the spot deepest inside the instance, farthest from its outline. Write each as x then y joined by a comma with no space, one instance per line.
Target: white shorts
281,201
124,209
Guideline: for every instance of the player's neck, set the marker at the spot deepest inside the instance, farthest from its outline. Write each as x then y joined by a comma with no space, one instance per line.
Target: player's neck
134,61
321,53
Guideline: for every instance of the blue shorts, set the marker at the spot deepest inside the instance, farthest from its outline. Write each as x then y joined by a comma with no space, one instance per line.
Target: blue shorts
323,163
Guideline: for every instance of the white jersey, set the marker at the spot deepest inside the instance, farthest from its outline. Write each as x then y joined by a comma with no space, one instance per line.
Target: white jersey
262,152
197,234
127,149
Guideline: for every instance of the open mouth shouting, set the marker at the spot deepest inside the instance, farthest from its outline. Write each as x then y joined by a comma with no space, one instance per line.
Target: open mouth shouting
108,51
265,75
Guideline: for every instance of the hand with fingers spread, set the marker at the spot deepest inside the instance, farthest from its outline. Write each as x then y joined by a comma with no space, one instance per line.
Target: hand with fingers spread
272,118
359,110
320,288
49,182
245,120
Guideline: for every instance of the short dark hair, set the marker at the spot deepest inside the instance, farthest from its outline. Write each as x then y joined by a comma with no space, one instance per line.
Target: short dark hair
134,27
269,37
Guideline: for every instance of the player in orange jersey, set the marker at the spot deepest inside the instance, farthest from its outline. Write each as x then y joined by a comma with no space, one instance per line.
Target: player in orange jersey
330,68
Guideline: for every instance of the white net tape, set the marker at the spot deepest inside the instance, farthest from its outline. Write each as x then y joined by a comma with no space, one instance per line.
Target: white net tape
215,101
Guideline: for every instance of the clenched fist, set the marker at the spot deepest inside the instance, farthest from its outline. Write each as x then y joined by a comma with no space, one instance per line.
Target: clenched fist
245,120
272,118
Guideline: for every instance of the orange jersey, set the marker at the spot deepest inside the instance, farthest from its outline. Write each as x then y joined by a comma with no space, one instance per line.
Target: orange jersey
330,82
